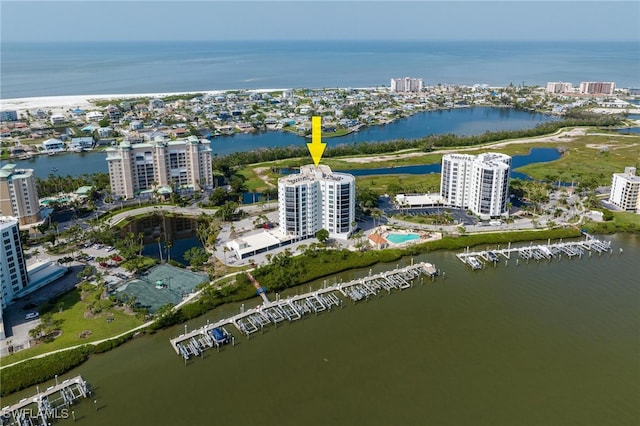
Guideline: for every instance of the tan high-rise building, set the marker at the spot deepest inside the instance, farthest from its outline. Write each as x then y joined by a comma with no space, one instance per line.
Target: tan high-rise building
597,87
19,195
625,190
407,84
184,166
559,87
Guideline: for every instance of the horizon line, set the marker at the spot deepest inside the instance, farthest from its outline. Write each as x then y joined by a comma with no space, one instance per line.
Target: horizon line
254,40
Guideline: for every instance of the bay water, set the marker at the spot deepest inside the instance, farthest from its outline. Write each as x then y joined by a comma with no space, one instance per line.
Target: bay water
461,121
548,343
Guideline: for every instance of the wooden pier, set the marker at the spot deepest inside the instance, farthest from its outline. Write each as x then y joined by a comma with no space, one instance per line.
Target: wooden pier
52,403
536,252
293,308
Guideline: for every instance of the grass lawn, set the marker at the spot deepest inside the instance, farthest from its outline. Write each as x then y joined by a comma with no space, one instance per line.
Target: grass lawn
408,183
626,218
592,157
253,181
622,222
585,158
74,322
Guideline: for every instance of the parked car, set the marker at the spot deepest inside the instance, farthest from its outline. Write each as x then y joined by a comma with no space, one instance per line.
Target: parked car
31,315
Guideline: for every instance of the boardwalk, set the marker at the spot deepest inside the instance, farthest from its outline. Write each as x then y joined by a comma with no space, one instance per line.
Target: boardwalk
259,289
570,249
53,403
293,308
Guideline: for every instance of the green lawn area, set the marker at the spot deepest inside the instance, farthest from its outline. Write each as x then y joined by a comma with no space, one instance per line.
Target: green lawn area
406,183
253,181
626,218
584,159
622,222
74,322
592,157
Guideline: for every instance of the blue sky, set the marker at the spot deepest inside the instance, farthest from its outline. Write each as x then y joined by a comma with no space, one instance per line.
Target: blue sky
88,20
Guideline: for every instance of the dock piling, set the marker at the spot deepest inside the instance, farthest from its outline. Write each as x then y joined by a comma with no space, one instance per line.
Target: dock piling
297,307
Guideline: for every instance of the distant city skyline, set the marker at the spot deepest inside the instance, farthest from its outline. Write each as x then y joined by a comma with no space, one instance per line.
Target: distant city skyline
93,20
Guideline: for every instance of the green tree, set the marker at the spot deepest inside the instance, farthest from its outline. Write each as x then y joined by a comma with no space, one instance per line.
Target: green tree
196,256
227,210
366,197
219,197
322,235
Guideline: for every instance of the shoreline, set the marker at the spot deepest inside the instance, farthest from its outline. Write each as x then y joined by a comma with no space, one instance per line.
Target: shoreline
65,102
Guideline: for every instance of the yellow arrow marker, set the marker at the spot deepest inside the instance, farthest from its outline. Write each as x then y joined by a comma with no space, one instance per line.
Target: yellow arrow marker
316,147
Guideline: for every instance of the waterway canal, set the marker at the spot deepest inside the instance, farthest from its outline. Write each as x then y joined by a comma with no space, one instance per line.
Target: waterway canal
461,121
550,343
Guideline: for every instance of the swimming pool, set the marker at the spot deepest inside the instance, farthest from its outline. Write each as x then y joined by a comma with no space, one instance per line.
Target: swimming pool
396,238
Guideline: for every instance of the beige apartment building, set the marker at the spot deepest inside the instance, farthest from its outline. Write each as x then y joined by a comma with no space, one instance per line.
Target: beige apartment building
625,190
597,87
19,195
183,166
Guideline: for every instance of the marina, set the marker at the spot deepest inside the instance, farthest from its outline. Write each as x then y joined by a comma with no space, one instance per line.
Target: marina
293,308
53,403
536,252
450,338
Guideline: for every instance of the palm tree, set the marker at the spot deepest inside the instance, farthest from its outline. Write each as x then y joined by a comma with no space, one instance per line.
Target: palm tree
375,214
159,249
225,249
168,244
131,301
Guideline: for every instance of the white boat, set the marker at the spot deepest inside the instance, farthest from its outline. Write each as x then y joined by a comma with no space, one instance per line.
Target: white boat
474,263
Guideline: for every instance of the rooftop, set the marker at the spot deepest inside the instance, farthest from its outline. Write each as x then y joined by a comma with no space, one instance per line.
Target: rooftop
311,173
83,190
257,242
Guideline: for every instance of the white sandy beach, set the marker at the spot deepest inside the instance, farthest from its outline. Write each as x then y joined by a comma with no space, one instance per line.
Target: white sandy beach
65,103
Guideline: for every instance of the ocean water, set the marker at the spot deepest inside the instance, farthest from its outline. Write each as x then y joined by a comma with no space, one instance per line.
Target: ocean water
81,68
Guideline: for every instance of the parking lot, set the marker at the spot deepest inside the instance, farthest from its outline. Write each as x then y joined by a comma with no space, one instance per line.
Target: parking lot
17,326
459,216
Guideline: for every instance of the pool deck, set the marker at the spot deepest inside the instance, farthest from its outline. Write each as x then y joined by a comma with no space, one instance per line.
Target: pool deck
423,236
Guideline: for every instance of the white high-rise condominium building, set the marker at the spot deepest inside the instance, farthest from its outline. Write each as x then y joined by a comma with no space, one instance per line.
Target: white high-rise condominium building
625,190
13,269
18,194
406,84
183,165
597,87
478,183
315,199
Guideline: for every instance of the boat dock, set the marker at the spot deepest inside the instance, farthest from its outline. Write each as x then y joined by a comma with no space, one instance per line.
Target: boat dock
477,260
52,403
293,308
